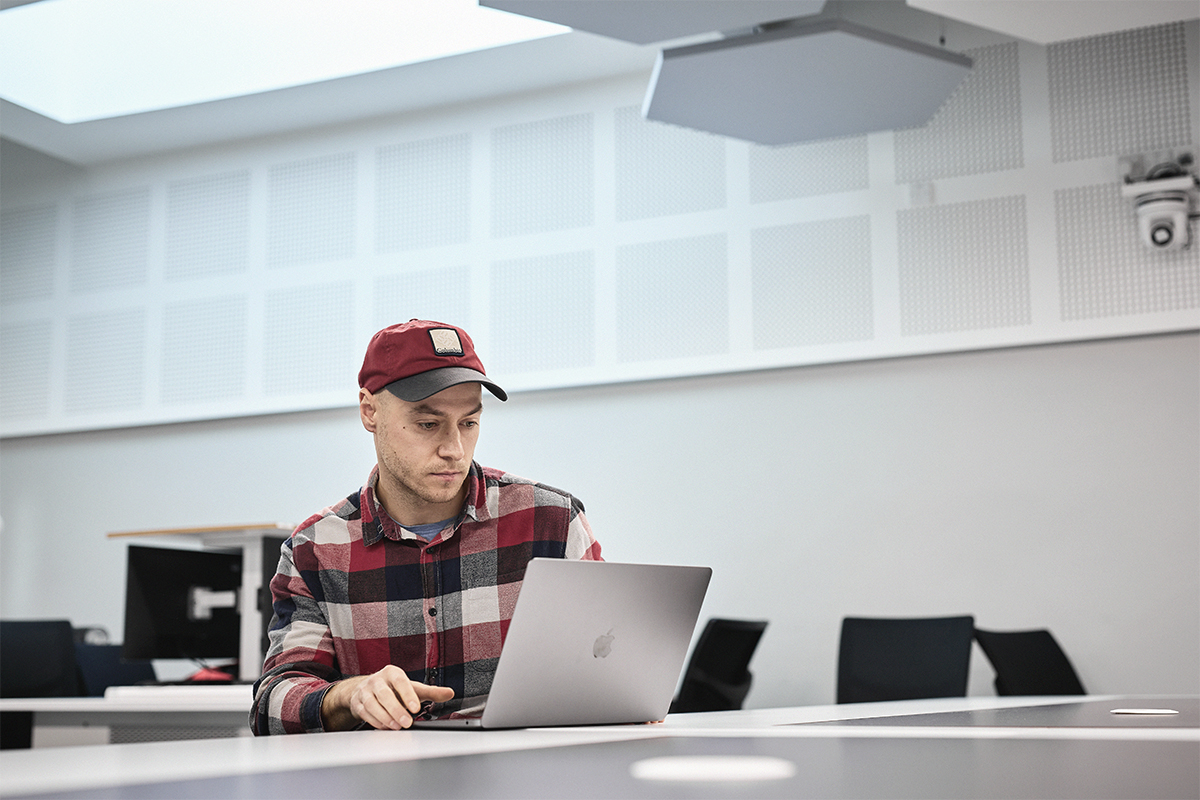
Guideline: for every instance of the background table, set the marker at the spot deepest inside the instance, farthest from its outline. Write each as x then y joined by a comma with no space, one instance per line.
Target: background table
138,714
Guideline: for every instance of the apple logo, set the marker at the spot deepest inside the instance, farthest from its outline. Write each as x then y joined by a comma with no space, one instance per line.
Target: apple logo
603,645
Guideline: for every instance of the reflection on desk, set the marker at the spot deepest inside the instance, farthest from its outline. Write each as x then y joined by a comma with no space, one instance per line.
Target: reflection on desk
890,758
1165,712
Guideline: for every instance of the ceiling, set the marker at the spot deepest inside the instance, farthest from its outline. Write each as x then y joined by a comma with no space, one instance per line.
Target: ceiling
575,57
456,79
82,60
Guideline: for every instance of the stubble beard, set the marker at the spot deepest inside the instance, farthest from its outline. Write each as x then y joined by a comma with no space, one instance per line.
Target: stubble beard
417,490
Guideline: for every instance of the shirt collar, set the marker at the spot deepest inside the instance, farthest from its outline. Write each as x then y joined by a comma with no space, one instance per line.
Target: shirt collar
377,523
476,505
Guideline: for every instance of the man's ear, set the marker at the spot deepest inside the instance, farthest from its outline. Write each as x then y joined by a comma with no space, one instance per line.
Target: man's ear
367,409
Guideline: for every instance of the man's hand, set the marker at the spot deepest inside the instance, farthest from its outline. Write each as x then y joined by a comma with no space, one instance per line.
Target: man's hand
385,699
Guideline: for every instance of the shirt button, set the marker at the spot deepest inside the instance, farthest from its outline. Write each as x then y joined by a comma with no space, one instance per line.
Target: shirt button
433,612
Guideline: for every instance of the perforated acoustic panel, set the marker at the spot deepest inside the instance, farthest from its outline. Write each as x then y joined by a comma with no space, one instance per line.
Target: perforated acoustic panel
110,240
964,266
808,170
439,294
208,226
312,208
204,350
673,299
27,248
661,169
308,339
543,313
106,361
977,130
132,734
1122,93
543,176
26,356
580,244
812,283
423,194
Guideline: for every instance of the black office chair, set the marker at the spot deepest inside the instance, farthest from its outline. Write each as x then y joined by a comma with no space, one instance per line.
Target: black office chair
716,677
903,659
1028,663
101,666
37,659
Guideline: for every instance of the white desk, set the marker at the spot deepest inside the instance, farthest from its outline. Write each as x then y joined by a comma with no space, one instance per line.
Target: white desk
138,714
863,750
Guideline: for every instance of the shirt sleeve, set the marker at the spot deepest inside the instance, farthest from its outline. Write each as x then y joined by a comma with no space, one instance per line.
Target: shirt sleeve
581,543
300,664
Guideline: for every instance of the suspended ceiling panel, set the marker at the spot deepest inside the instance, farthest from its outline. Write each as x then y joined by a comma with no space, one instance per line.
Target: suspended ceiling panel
646,21
793,84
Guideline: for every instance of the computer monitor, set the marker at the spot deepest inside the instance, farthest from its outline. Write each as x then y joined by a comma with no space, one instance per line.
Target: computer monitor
182,603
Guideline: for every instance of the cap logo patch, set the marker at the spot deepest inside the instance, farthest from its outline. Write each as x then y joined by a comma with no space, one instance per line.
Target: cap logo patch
446,342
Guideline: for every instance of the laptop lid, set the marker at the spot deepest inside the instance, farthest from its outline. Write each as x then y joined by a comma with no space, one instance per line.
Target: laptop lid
593,643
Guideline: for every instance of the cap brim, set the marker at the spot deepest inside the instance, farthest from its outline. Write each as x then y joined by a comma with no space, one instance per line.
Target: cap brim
426,384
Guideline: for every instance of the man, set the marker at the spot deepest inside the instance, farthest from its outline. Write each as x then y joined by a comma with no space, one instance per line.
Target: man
398,598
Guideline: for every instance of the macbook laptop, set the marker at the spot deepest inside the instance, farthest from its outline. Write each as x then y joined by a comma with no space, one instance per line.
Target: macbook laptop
592,643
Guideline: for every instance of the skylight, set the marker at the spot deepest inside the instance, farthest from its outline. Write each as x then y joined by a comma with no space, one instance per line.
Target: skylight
80,60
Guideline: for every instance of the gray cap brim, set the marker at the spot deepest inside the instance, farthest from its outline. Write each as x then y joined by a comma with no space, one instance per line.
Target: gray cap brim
426,384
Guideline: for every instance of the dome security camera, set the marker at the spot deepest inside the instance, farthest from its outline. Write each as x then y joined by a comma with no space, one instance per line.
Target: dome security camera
1164,207
1163,220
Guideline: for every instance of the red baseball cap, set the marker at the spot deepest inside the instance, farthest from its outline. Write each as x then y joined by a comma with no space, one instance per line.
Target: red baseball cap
419,358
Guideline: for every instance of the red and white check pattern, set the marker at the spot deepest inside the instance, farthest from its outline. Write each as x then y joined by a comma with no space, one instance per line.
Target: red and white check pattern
355,592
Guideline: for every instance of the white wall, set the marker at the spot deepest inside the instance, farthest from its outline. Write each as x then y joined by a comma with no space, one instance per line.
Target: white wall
1052,486
583,245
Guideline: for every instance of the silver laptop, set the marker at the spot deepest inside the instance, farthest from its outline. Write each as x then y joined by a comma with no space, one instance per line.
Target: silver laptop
592,643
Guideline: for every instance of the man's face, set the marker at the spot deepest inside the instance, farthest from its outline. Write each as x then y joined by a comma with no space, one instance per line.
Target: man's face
424,449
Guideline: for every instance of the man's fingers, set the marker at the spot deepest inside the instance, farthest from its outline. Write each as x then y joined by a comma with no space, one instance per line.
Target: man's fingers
400,703
388,699
372,712
406,695
379,706
438,694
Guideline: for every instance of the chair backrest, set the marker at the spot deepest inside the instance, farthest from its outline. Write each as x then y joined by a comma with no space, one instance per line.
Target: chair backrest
37,659
1028,663
101,666
903,658
717,677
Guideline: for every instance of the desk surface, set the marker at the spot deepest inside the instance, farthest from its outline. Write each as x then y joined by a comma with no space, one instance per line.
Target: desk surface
838,757
1081,712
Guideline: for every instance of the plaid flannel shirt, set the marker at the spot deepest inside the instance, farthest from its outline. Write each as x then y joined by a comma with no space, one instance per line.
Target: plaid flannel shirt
355,592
